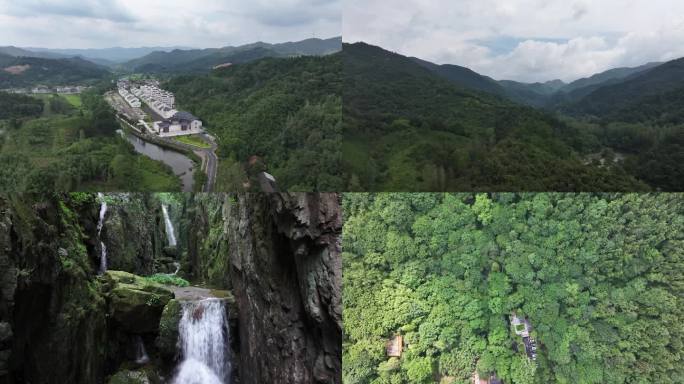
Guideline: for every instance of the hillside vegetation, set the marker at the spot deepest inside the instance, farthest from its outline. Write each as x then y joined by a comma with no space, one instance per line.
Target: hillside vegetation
286,112
599,277
407,128
70,149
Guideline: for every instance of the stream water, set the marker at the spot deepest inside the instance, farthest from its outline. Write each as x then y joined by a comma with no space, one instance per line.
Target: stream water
170,234
100,224
204,340
181,165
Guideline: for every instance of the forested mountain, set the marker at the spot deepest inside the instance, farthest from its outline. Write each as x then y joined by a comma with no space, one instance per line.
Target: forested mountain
28,71
598,277
463,77
203,60
407,128
284,112
614,74
615,98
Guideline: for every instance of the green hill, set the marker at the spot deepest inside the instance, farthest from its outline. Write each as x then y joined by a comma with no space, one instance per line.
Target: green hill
28,71
407,128
615,98
284,112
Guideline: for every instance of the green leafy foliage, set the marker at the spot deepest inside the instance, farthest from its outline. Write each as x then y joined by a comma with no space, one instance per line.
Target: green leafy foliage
287,112
597,275
76,151
166,279
19,106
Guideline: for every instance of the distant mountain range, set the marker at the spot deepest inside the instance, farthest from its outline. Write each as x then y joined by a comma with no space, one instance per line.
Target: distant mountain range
615,93
181,59
201,60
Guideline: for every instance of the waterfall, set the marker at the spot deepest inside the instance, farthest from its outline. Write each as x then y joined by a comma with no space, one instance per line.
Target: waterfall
204,339
141,356
100,224
169,227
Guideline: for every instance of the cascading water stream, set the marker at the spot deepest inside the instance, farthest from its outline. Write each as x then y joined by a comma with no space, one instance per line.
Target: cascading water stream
100,224
141,356
204,339
169,227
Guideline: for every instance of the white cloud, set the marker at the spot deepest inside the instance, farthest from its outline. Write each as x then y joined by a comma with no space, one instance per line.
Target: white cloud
135,23
546,39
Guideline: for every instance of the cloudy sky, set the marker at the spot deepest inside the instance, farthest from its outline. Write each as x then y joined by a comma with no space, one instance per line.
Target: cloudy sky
525,40
192,23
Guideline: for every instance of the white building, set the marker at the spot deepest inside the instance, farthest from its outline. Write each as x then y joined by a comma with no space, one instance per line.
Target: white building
180,123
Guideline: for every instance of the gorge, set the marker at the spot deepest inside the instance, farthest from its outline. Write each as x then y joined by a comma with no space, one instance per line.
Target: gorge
170,288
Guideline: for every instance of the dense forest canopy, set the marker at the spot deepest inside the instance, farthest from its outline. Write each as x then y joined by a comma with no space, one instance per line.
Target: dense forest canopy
286,112
407,128
599,277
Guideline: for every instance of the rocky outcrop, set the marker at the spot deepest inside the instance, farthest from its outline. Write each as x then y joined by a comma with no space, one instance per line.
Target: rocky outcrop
286,272
134,233
51,310
135,303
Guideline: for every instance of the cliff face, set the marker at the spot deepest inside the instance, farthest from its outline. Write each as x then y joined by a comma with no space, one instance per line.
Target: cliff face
286,272
50,310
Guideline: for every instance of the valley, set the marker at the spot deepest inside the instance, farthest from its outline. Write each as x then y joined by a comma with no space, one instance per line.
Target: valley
445,127
272,109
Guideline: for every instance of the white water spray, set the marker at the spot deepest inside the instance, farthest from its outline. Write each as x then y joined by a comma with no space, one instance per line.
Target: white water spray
100,224
169,227
204,339
141,356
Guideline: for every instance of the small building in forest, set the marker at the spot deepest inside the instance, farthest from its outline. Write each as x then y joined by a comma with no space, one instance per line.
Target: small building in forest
395,346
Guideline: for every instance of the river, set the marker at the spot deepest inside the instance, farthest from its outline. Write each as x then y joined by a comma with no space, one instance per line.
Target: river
181,165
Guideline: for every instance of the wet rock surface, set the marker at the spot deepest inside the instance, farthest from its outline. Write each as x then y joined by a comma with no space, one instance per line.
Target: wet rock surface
135,303
286,273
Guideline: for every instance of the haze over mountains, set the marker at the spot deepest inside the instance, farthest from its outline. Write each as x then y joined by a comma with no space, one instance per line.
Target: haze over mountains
174,59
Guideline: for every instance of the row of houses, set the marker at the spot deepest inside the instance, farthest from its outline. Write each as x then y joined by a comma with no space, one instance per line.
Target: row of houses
130,98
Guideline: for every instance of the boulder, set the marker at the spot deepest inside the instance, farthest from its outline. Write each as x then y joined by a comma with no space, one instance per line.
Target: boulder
136,303
167,341
171,251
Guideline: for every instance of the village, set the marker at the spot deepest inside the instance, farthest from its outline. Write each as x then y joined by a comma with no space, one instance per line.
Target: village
153,109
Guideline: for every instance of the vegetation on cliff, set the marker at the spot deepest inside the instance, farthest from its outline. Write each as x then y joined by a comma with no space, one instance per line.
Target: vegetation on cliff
597,275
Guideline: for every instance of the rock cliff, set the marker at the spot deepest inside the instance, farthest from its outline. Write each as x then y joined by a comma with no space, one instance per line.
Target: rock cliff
286,272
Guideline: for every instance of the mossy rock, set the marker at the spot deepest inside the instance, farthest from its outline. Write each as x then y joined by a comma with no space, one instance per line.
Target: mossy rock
171,251
129,377
167,341
135,302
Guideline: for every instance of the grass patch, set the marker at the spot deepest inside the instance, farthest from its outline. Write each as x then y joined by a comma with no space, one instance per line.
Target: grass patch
74,100
193,140
161,278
